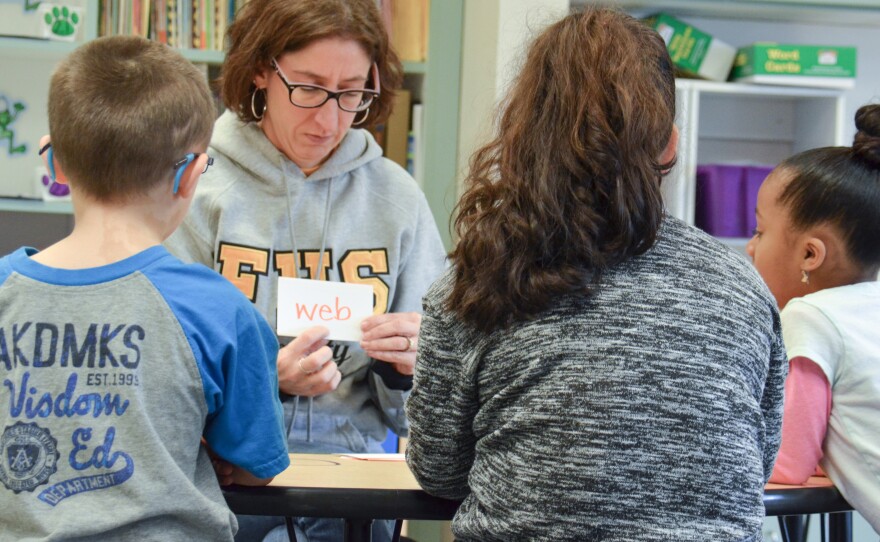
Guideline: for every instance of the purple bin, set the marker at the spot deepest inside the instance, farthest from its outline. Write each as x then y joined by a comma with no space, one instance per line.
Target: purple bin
720,201
754,177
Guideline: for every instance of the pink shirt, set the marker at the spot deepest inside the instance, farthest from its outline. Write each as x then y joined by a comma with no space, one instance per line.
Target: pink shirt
804,422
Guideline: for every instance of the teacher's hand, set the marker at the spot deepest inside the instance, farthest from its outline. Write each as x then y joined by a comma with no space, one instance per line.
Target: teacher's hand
305,365
393,338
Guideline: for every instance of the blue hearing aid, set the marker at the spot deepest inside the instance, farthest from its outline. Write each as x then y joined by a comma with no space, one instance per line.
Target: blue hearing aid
51,163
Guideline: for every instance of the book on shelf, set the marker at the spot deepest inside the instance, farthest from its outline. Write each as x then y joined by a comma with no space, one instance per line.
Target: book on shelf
185,24
397,128
408,28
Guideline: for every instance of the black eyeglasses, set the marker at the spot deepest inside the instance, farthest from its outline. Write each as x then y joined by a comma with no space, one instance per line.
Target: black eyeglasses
181,164
310,96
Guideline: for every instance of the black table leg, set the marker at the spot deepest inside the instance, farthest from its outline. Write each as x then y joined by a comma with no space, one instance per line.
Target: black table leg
794,528
358,530
840,527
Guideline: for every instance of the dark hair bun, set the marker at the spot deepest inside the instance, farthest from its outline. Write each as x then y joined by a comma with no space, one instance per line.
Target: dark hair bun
866,144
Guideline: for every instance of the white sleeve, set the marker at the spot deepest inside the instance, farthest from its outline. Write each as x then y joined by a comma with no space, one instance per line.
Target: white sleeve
808,332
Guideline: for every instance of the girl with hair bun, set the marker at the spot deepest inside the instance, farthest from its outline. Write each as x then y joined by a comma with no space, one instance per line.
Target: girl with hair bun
817,245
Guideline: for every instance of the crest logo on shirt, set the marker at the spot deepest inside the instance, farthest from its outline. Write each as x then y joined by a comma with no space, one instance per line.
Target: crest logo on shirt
29,456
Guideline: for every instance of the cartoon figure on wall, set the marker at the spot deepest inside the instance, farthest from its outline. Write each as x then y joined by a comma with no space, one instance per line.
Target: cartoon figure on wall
9,112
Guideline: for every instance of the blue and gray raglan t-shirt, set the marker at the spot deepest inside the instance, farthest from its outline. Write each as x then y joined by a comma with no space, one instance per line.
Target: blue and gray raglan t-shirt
109,378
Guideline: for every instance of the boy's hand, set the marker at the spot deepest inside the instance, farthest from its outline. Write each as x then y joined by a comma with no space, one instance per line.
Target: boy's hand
242,477
393,337
224,471
305,365
229,474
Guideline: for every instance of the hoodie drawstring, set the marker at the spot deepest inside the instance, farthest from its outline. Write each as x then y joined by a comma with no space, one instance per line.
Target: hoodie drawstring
319,276
293,416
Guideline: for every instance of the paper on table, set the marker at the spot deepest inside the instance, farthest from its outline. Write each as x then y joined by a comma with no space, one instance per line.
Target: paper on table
377,457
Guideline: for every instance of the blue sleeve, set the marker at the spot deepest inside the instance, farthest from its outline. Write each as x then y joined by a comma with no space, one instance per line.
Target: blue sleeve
235,350
5,269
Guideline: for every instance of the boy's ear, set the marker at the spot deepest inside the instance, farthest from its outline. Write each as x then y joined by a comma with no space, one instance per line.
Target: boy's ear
814,253
52,166
190,177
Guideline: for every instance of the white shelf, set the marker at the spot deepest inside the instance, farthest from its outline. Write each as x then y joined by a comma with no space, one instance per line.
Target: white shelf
840,12
36,48
56,50
746,124
765,91
36,206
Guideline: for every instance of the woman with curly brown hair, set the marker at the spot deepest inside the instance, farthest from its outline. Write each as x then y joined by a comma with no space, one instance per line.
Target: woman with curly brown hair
592,368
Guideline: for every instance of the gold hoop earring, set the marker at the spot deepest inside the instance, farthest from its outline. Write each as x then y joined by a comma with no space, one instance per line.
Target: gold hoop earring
359,122
254,105
805,277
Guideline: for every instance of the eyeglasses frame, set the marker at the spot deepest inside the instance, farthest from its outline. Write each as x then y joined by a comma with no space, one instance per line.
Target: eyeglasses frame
181,164
331,95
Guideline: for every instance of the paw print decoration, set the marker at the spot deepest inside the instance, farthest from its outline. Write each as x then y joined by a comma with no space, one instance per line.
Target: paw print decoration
60,22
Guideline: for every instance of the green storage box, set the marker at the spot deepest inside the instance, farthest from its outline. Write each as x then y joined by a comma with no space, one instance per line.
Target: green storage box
798,65
694,52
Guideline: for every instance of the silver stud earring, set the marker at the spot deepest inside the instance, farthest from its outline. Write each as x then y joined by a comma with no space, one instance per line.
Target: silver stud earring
254,105
805,277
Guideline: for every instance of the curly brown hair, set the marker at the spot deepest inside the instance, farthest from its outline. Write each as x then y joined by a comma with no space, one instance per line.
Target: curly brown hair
266,29
570,185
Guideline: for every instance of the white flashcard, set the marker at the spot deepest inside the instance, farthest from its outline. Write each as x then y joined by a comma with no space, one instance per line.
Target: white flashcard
340,307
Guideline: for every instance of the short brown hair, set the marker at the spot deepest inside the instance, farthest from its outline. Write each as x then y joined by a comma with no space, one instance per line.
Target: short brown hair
266,29
570,185
122,111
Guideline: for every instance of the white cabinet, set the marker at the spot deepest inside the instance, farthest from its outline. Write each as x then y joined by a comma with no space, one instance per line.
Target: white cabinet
746,124
824,12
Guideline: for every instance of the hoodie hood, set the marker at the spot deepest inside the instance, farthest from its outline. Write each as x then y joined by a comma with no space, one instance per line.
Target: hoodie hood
259,157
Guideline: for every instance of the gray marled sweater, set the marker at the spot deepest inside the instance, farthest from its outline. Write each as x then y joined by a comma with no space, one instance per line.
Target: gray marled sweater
650,410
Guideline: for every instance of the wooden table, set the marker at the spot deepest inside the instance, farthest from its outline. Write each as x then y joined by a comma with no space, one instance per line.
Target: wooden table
338,486
359,491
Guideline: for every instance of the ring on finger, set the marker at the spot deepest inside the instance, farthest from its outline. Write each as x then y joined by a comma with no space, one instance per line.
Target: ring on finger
303,369
410,344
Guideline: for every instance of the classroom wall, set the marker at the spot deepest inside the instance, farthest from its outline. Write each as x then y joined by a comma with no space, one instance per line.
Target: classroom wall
496,35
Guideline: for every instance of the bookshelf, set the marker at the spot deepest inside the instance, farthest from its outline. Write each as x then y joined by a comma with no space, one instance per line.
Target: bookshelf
732,123
744,124
434,82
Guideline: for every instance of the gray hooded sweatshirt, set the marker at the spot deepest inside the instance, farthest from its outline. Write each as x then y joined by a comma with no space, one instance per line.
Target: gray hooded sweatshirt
256,217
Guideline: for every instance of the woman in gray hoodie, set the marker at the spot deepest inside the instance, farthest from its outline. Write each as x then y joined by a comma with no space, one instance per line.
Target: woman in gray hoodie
298,189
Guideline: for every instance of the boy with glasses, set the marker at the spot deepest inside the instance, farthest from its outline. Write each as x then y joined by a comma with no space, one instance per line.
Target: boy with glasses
121,366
